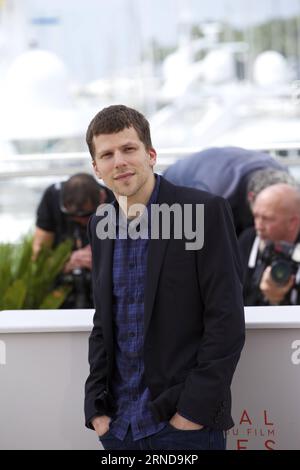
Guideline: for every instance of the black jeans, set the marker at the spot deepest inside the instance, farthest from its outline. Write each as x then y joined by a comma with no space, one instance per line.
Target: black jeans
168,439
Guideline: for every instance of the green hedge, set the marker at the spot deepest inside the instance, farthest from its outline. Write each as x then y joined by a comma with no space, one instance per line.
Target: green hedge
28,284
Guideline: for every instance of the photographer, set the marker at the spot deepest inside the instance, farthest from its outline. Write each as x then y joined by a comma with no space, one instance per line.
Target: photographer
269,251
63,213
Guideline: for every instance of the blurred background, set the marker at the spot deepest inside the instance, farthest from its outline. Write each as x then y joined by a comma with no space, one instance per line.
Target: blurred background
225,72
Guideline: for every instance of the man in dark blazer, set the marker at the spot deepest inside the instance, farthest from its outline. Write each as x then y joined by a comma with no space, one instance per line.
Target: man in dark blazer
169,324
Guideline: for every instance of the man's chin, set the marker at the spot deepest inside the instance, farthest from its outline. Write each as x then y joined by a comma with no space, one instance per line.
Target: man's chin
124,191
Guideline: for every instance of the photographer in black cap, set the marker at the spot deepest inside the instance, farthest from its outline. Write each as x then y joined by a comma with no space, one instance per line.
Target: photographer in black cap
63,213
270,251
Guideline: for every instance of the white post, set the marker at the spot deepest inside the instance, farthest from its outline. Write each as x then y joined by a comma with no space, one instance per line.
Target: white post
2,353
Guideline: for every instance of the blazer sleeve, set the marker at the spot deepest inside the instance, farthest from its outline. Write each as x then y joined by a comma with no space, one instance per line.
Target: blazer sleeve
206,395
95,386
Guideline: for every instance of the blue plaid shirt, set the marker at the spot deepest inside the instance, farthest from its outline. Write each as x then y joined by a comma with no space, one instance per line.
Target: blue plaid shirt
129,388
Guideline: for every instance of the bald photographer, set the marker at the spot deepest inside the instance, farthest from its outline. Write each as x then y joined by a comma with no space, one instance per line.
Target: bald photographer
271,250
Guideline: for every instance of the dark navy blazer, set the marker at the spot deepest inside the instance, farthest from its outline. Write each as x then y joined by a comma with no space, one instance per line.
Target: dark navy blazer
194,318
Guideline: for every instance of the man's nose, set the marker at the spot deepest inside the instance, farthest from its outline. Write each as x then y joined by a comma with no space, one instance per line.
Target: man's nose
258,224
120,159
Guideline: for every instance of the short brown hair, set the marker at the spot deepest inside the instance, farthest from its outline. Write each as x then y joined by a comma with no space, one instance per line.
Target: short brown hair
80,189
114,119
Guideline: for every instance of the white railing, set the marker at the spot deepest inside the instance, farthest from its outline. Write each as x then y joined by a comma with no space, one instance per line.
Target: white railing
43,367
69,163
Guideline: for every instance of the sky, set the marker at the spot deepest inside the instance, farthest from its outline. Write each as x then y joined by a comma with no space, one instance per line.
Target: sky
97,37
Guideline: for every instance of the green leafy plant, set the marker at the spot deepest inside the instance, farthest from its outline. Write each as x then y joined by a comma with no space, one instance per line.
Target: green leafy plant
29,284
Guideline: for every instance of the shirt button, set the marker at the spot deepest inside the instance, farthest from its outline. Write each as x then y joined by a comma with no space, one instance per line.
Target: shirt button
131,334
131,265
135,398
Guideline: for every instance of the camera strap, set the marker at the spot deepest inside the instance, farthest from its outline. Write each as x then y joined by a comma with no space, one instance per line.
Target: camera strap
295,291
254,253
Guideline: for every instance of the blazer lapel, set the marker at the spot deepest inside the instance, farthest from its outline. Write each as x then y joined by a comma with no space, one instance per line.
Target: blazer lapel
106,286
156,252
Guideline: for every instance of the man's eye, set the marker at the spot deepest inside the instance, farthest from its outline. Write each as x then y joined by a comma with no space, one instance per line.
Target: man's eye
129,149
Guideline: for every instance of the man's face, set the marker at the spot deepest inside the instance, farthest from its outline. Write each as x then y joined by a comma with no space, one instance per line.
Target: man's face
123,162
81,220
83,216
271,221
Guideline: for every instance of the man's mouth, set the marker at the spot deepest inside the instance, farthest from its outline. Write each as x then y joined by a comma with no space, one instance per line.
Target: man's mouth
261,234
123,176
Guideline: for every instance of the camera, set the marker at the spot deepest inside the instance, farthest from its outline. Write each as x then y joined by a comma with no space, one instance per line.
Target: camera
284,259
79,278
80,296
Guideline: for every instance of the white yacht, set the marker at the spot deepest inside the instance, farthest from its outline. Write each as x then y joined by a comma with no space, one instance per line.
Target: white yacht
213,107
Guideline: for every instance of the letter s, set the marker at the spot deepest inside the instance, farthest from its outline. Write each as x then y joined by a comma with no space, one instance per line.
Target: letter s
267,443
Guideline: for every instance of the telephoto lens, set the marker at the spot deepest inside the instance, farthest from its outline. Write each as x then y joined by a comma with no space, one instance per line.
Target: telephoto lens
281,270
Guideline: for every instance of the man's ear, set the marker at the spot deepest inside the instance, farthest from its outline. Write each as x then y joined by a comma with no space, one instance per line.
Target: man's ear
250,197
96,171
152,155
294,222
